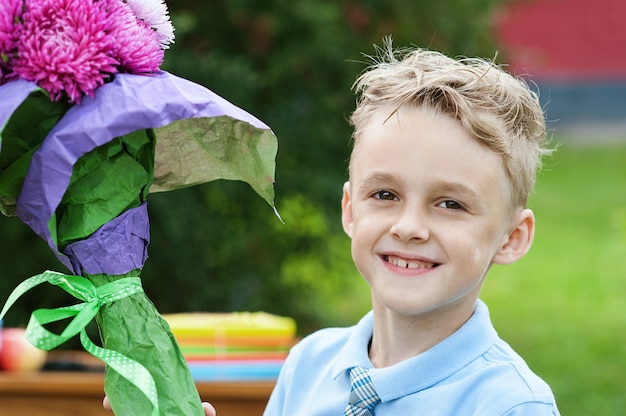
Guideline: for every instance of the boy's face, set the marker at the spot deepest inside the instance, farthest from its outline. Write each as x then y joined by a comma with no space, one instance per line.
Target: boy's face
428,211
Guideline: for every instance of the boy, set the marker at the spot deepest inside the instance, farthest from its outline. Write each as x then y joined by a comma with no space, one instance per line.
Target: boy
445,157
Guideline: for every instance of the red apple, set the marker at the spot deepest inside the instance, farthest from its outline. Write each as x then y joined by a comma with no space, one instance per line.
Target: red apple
17,354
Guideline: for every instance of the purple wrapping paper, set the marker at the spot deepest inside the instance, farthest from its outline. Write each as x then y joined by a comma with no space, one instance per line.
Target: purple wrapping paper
124,239
127,104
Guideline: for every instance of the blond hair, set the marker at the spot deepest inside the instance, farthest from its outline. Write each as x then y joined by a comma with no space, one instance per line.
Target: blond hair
495,108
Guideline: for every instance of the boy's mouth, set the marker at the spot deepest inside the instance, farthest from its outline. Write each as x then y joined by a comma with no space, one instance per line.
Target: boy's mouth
408,264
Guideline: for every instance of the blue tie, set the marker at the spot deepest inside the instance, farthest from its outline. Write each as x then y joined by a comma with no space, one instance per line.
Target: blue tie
363,397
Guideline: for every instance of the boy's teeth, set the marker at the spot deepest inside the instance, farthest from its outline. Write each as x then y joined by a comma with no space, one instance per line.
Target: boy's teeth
406,264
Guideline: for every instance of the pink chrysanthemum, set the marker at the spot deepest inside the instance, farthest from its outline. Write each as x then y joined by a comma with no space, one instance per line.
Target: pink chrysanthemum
10,11
64,47
138,49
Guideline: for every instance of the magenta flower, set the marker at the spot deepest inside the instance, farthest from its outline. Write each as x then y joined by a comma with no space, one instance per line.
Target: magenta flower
71,47
10,11
137,46
64,47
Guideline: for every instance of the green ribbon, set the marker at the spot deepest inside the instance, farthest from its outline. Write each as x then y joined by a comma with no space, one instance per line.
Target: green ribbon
83,313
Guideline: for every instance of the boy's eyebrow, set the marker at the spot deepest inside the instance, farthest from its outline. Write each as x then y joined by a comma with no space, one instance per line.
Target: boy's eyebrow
457,188
375,179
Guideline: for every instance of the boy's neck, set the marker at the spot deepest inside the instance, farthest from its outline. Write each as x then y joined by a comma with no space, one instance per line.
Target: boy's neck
399,337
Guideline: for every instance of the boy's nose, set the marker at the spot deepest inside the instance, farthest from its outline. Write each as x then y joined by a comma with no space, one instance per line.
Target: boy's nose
410,225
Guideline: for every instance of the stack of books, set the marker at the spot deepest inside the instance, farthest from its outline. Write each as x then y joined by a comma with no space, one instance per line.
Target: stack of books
233,346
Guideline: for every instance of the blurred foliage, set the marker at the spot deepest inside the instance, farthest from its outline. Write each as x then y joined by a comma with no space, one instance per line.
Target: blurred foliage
218,246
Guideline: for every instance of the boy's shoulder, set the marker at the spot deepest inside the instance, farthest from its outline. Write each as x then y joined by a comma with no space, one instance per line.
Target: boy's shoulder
472,369
502,380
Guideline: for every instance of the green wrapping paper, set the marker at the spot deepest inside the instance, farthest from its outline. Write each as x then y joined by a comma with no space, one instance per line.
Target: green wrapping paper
96,194
133,327
85,192
107,181
31,122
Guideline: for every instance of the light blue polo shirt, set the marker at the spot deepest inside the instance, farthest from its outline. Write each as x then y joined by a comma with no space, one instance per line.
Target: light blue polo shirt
472,372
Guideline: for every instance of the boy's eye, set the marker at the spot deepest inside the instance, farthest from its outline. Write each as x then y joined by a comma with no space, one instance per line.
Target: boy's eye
450,204
384,195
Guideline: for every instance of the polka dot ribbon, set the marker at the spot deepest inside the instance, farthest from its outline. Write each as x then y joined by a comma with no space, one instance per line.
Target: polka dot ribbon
82,314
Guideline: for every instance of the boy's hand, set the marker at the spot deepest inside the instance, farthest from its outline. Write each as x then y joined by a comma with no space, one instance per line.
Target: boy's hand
208,409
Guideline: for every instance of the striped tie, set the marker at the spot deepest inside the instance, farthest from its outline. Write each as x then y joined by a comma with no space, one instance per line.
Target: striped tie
363,397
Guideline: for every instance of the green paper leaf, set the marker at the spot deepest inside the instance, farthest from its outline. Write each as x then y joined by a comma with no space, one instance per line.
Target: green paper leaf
199,150
105,182
21,137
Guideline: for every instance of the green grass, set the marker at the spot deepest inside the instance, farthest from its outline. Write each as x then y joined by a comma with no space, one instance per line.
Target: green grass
563,306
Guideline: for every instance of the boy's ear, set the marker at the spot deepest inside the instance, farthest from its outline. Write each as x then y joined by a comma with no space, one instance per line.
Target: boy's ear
519,239
346,210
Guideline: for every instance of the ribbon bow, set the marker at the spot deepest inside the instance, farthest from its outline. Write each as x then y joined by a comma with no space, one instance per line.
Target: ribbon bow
83,313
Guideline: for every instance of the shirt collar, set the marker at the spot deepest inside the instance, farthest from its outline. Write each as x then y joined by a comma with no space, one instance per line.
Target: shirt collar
469,342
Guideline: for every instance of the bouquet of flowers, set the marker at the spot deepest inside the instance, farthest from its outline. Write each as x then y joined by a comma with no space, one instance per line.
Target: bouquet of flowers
89,126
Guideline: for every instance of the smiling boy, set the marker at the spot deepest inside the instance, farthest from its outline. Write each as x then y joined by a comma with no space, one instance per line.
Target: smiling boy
444,159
